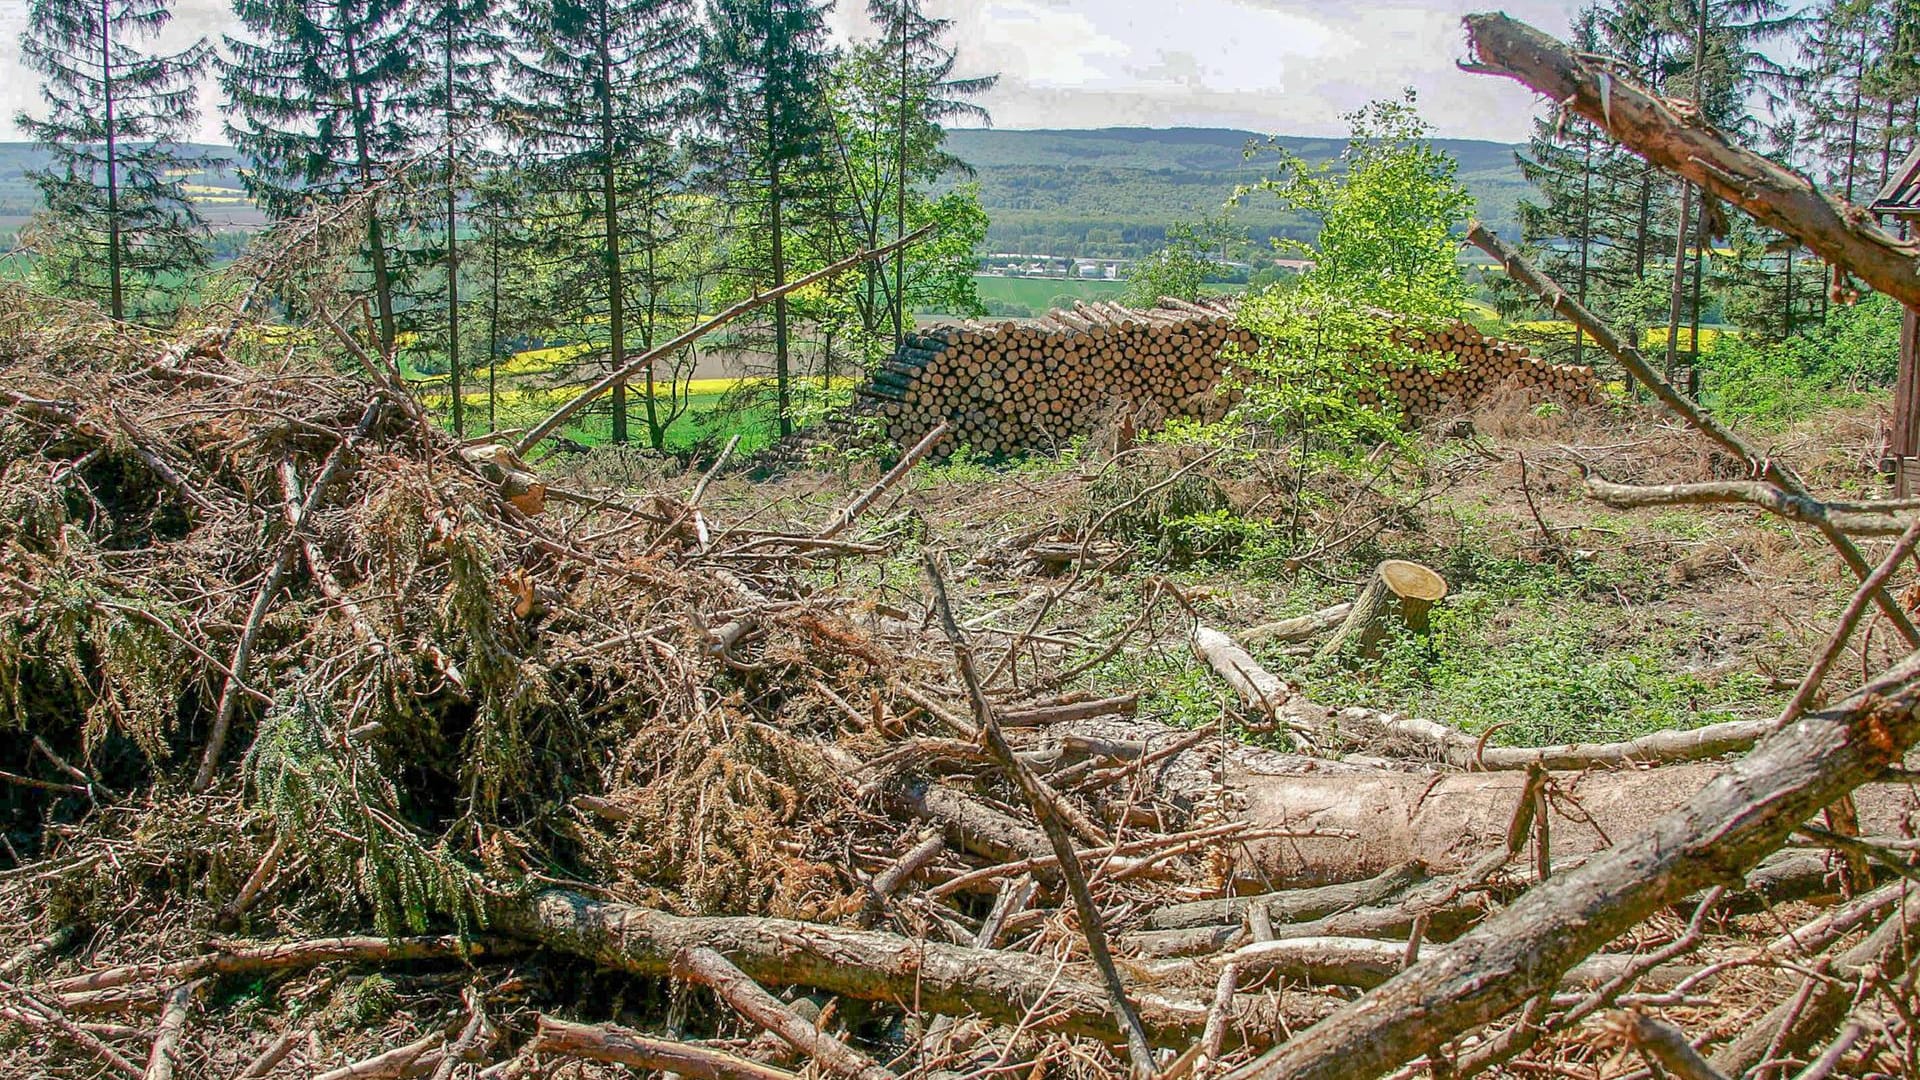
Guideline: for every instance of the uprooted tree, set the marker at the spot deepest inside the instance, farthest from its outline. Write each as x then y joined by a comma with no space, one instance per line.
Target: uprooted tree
298,686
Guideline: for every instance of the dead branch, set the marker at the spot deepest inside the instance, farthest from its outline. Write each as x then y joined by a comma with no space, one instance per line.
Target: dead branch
172,1027
845,516
43,1016
1771,497
1300,627
1293,905
388,1064
645,360
1777,198
1045,807
37,951
233,959
1662,1043
711,970
622,1047
264,596
1741,816
1269,694
1067,712
275,1052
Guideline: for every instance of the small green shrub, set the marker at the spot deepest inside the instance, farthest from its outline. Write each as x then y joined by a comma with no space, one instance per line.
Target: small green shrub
1839,363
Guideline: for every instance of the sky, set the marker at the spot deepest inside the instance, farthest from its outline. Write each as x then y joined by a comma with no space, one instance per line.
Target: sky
1288,67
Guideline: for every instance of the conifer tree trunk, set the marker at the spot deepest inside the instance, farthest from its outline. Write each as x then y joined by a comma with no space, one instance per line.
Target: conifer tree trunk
656,431
1679,294
363,118
777,226
493,333
453,249
1586,234
610,205
118,304
900,182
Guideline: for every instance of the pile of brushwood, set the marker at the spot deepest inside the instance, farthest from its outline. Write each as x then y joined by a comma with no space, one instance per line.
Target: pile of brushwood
333,747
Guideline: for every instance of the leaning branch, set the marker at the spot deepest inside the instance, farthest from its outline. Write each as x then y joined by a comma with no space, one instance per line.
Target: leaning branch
586,397
1564,305
1787,504
1675,138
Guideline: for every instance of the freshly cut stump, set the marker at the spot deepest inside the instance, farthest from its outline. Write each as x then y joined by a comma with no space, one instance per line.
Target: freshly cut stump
1399,591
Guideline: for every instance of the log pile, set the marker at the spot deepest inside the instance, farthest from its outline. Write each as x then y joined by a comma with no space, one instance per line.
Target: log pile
1036,383
1472,366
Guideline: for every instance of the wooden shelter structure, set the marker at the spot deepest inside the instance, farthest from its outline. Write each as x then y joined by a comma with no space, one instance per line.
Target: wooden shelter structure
1900,201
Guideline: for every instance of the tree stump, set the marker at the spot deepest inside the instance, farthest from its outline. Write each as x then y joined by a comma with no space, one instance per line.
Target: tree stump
1399,591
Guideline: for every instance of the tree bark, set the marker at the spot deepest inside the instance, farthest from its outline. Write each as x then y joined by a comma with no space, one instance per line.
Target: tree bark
1399,592
1300,627
1731,824
622,1047
1294,905
865,964
751,1000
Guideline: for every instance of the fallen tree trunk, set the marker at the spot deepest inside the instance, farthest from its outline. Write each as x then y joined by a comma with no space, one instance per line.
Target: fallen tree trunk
1349,822
1735,821
1300,627
864,964
1267,693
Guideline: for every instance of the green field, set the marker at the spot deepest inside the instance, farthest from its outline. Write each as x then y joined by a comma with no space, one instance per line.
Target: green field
1002,295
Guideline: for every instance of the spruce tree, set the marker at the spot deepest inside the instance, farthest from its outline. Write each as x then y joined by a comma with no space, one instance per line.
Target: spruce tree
317,102
119,218
602,97
923,94
456,101
764,71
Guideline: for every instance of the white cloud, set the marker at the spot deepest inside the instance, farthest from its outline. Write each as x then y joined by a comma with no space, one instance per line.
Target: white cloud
1289,66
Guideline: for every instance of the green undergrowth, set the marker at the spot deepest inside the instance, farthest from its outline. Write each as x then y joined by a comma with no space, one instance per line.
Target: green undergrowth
1540,652
1543,672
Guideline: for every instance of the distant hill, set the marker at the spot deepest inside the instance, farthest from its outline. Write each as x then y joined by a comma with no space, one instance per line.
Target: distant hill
216,188
1104,192
1112,191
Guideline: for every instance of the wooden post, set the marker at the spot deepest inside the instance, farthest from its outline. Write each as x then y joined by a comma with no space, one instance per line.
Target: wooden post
1906,403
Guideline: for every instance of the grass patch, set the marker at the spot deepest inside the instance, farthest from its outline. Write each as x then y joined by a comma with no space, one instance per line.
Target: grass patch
1005,295
1545,671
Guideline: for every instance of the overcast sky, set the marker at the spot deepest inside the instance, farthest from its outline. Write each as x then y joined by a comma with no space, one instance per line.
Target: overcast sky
1274,66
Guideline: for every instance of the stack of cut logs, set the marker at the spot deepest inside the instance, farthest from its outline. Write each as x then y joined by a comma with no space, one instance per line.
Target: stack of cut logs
1476,365
1036,383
